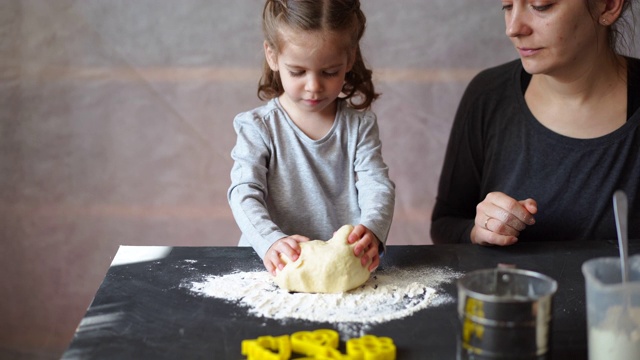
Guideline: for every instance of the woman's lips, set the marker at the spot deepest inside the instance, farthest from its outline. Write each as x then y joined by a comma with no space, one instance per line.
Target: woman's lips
526,52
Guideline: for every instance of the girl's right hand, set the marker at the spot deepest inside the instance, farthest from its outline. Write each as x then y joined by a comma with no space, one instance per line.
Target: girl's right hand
500,219
288,246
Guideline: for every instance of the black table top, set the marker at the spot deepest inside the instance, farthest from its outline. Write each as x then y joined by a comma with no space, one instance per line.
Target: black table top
141,312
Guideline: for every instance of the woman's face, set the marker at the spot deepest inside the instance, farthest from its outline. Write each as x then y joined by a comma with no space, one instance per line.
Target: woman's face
554,37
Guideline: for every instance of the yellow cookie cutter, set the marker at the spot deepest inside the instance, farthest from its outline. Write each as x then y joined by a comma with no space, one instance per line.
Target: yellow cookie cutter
263,348
371,347
318,344
322,342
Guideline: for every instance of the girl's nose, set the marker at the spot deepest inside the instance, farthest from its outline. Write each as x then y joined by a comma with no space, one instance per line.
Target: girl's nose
313,83
516,22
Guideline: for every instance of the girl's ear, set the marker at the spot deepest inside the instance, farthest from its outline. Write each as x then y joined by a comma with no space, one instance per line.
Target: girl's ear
610,11
271,56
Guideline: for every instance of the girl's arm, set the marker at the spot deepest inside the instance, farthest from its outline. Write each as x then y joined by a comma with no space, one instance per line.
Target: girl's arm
376,192
248,189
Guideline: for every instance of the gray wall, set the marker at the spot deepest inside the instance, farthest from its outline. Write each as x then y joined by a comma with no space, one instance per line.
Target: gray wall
116,129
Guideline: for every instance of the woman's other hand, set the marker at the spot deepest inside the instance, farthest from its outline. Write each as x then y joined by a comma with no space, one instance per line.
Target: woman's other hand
500,219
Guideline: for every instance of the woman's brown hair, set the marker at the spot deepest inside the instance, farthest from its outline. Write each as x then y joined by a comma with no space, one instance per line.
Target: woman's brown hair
335,16
625,24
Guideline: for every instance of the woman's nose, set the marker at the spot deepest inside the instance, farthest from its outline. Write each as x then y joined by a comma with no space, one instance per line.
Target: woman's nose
517,23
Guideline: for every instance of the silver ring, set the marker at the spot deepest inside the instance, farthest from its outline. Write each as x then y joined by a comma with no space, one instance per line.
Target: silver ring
486,222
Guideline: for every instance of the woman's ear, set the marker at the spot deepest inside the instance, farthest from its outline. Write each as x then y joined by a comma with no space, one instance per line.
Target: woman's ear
610,11
271,56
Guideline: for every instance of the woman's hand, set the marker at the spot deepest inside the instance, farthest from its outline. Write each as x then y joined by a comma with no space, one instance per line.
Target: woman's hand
367,244
288,246
500,219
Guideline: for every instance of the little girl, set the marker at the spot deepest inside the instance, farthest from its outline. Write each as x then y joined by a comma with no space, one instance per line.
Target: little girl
309,160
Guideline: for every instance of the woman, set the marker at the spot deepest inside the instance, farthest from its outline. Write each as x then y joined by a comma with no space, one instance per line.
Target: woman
540,144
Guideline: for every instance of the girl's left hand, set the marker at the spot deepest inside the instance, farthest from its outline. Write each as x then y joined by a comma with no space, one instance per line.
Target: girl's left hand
367,244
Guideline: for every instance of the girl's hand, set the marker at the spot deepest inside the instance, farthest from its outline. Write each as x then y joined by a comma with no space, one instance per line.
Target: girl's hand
500,219
367,245
288,246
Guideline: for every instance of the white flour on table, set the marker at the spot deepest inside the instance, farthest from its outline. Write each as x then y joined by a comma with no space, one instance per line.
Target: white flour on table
389,294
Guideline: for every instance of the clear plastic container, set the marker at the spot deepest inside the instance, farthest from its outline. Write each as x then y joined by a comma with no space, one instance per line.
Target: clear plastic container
613,309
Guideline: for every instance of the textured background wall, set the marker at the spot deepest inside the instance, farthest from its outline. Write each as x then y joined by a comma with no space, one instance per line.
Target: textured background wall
116,128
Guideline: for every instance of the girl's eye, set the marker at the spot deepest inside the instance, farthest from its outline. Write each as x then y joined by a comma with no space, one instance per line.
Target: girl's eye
296,73
331,74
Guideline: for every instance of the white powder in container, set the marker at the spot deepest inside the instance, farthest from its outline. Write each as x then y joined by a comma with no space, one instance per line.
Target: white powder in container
609,342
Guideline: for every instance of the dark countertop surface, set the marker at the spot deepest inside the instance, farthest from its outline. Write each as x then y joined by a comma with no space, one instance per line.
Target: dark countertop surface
141,311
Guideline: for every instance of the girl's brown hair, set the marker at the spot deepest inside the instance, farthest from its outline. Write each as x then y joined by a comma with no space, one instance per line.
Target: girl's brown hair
336,16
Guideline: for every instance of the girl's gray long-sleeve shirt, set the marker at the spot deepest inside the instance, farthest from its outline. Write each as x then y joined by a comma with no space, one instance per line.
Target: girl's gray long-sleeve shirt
285,183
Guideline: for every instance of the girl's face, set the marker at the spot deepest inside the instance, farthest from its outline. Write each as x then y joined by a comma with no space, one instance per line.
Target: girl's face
553,36
312,69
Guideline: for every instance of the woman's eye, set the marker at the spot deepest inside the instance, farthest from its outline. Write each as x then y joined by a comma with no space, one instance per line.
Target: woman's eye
541,7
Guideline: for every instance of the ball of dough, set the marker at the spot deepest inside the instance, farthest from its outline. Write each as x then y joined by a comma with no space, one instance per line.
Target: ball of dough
324,266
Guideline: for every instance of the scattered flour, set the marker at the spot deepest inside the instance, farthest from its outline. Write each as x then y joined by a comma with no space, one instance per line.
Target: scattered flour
390,293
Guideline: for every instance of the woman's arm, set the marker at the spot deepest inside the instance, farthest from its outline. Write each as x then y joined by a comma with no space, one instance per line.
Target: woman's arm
459,186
